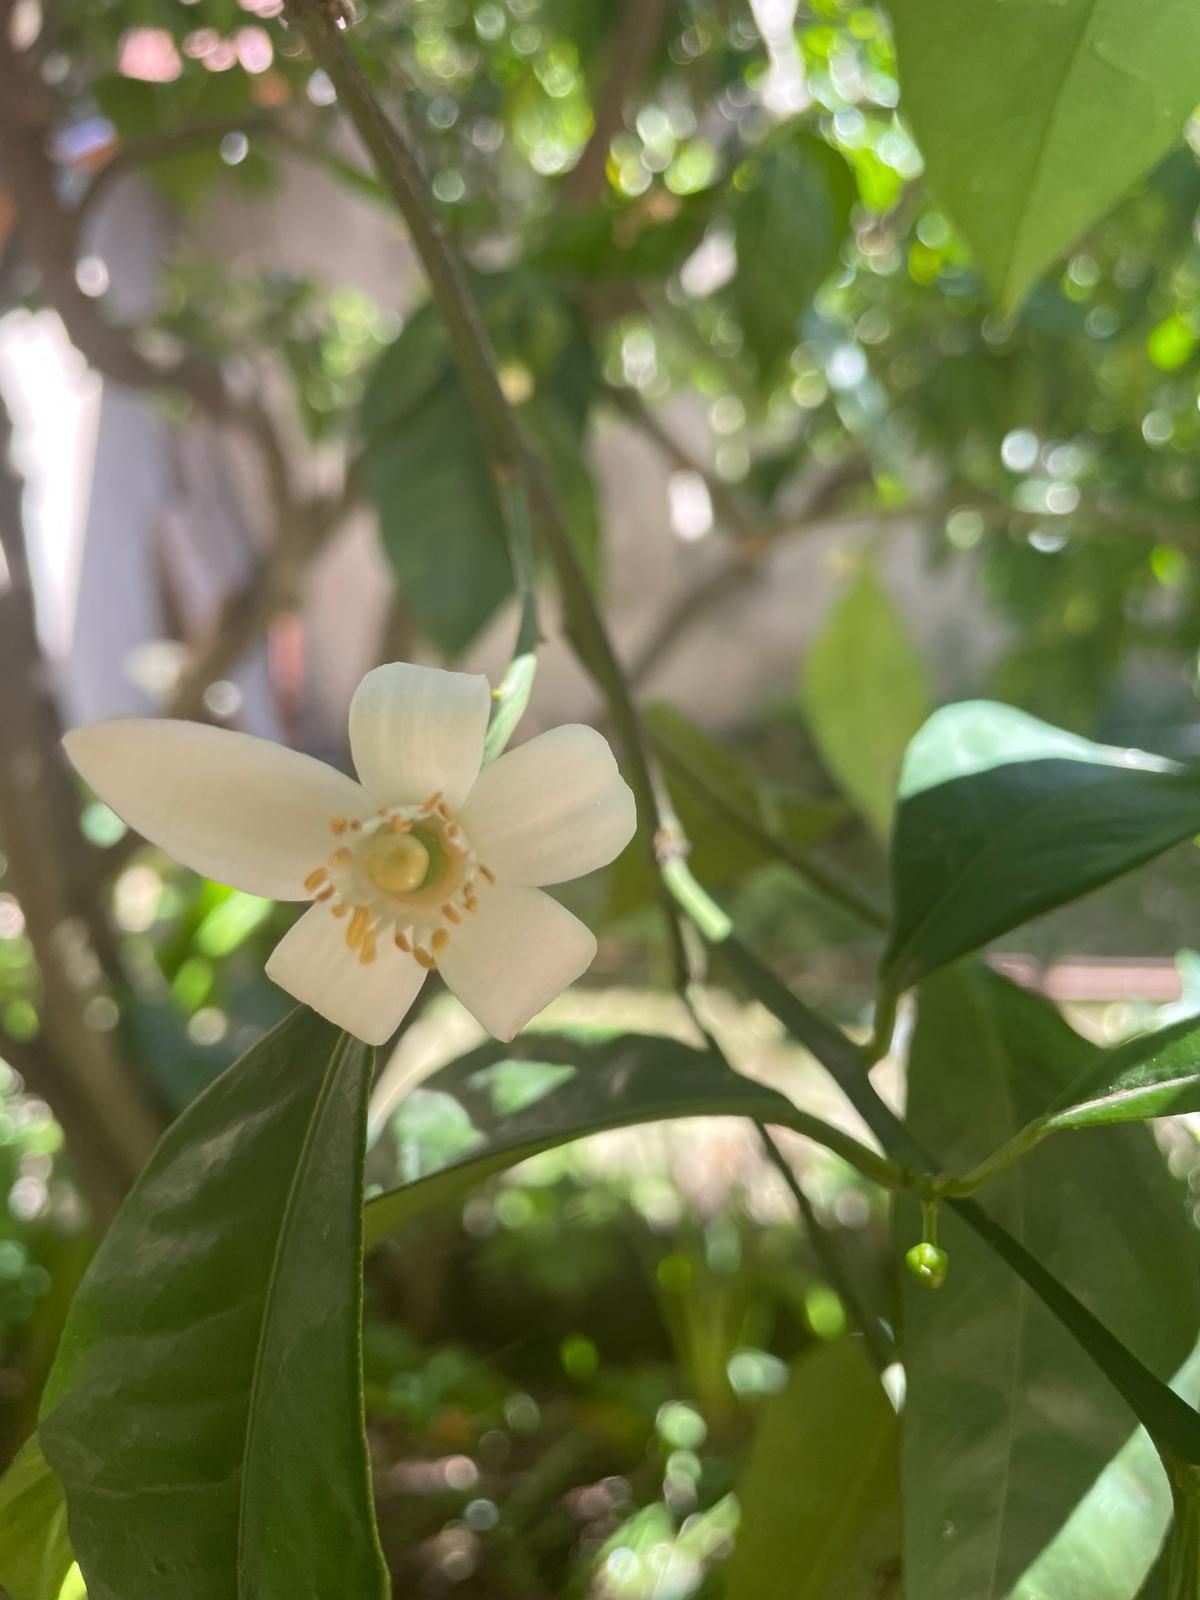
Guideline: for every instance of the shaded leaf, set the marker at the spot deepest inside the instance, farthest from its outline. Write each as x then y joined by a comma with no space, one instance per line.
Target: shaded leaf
1034,118
520,1101
205,1423
1002,817
35,1550
820,1494
791,212
864,690
1042,1482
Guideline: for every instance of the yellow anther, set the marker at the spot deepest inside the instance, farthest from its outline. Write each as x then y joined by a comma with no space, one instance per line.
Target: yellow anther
450,914
368,952
432,803
338,824
315,878
487,873
423,958
440,940
357,931
400,826
402,943
326,893
355,825
340,909
444,812
470,902
342,856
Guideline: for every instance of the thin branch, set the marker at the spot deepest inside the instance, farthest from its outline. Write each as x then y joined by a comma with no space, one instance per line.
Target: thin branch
633,40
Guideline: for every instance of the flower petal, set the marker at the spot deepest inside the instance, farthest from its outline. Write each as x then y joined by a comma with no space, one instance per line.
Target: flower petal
508,960
414,730
313,963
235,808
552,809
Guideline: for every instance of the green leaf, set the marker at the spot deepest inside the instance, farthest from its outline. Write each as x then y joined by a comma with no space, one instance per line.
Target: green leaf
791,213
1042,1482
611,1083
864,690
205,1410
1034,118
35,1551
820,1495
1002,817
1153,1075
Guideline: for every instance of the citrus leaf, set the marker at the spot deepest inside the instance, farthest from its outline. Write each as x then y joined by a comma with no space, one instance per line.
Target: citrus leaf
35,1552
1033,118
204,1413
820,1494
1043,1482
1002,817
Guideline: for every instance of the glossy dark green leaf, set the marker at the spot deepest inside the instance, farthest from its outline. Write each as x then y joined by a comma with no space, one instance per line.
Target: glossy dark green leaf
1034,118
1047,1496
791,213
865,692
1153,1075
35,1551
546,1090
820,1494
204,1413
1002,817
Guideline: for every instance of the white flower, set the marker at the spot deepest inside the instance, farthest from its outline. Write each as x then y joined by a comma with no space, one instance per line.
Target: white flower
428,861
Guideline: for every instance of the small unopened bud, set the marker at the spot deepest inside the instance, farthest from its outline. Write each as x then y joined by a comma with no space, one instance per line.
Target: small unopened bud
928,1264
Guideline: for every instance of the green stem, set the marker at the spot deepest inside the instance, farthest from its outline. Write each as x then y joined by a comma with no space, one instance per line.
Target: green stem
1182,1551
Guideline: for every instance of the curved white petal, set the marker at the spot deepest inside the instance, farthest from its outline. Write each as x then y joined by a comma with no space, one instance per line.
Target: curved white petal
509,959
414,730
312,962
238,809
552,809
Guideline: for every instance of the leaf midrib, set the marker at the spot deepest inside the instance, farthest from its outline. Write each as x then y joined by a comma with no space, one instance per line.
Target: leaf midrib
336,1057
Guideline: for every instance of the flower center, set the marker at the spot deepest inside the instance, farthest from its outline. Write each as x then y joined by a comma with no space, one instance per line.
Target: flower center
397,863
408,873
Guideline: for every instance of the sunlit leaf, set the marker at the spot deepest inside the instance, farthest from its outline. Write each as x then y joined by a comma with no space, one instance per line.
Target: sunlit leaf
1041,1481
864,690
820,1494
195,1389
1002,817
1034,118
35,1551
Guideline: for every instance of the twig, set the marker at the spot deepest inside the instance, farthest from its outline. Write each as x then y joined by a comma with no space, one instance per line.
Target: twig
633,39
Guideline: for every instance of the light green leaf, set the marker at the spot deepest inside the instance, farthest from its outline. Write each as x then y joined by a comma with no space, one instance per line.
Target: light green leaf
820,1495
791,213
864,690
205,1423
35,1551
1002,817
1152,1075
1043,1481
1034,116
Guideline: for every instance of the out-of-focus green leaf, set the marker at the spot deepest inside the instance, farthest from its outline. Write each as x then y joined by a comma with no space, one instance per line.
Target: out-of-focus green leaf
1040,1481
35,1550
427,472
200,1415
520,1107
1034,118
1002,817
864,690
791,212
646,237
820,1495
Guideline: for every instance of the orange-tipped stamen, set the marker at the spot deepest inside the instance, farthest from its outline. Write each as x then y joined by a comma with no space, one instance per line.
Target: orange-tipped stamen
357,931
440,940
342,856
368,952
400,826
423,958
338,824
315,878
444,812
450,914
340,909
402,943
326,893
487,873
432,803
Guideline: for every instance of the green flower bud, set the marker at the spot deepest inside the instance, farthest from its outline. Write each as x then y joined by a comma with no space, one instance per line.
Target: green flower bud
928,1264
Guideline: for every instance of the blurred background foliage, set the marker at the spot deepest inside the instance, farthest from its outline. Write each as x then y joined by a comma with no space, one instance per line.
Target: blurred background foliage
673,198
